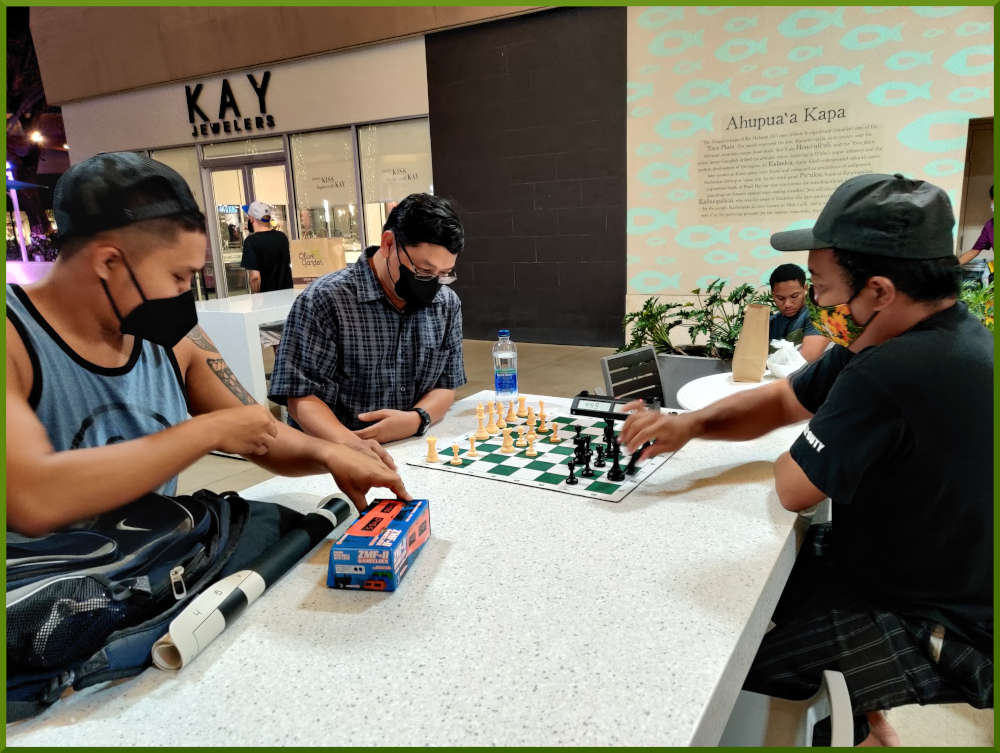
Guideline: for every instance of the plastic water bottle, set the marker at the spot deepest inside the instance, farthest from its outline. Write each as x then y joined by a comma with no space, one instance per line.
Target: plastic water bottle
505,368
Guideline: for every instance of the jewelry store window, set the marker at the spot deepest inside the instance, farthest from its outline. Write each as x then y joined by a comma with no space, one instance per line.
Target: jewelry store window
395,162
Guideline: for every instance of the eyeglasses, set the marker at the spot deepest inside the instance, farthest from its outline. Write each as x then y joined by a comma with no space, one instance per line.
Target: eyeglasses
423,276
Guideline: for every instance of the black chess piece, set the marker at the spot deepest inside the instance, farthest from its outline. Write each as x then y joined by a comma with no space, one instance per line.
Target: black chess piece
616,473
609,433
631,468
571,479
579,429
587,472
599,463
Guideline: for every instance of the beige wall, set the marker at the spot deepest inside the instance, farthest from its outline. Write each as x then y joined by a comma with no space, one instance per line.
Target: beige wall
704,195
355,86
88,52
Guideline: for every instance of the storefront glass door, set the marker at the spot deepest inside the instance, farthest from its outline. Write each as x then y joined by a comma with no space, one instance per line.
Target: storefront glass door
232,190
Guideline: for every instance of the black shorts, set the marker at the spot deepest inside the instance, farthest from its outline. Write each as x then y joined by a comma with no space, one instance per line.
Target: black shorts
887,659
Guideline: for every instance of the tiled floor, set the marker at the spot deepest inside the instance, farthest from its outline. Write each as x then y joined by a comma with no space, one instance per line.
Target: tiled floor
565,370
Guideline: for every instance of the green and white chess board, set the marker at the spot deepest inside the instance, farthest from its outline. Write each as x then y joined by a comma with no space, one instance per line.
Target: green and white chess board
547,470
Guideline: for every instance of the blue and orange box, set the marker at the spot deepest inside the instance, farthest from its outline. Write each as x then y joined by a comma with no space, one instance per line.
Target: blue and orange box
377,550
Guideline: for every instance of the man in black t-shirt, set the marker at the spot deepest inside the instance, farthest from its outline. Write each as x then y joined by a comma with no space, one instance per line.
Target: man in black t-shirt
897,591
265,252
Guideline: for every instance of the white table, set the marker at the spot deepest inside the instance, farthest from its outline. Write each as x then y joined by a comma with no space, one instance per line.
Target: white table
698,393
234,326
530,618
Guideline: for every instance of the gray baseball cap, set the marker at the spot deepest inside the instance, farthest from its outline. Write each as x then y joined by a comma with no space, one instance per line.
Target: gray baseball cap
881,215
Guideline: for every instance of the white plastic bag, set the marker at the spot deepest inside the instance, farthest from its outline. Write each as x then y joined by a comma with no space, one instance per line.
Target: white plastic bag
785,359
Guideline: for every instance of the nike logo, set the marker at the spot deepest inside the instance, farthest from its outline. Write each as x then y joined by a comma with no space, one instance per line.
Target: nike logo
122,527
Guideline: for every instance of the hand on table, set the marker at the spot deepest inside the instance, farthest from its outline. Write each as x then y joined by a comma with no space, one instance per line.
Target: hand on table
668,432
389,425
356,472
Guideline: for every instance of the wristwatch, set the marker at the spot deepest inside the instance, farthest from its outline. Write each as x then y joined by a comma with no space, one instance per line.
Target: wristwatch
425,422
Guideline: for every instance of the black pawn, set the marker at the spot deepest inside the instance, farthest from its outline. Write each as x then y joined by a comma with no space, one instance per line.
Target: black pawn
571,479
587,472
616,473
599,463
578,430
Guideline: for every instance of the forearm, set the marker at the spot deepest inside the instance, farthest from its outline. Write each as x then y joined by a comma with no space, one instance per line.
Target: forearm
436,403
748,414
317,420
294,453
969,255
60,488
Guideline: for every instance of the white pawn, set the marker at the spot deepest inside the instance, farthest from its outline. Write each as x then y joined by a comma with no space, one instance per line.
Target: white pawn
455,459
520,436
432,454
473,452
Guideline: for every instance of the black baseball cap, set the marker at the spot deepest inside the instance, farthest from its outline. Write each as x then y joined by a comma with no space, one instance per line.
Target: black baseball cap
117,189
882,215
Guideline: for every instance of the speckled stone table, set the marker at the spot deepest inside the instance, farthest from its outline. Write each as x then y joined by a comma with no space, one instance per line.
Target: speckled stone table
531,618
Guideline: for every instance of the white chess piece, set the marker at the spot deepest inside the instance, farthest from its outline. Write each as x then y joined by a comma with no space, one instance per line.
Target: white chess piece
473,452
432,454
481,432
455,459
507,448
531,452
521,410
520,436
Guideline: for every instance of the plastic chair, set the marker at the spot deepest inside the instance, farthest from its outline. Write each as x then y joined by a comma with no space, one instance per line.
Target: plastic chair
760,720
633,374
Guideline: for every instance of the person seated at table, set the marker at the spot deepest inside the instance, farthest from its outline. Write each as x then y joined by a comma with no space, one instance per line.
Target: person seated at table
105,360
974,268
375,350
791,321
897,591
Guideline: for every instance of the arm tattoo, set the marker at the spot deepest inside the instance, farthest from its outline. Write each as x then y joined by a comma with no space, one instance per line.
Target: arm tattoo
228,378
199,338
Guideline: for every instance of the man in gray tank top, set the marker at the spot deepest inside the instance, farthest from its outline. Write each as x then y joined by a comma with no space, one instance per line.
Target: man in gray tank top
112,388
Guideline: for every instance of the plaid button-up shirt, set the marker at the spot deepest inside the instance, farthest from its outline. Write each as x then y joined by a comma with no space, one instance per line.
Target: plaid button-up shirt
347,344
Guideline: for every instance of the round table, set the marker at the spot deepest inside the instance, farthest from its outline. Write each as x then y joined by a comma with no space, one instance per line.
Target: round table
698,393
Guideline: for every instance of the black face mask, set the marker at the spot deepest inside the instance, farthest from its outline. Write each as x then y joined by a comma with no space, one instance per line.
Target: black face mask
418,294
163,321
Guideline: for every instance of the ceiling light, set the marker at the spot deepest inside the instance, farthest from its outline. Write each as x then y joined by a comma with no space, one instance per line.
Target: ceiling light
36,136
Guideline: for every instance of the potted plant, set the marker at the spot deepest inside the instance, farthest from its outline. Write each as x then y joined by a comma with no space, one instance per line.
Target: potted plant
713,321
979,299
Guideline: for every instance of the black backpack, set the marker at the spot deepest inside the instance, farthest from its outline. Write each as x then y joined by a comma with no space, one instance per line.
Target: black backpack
85,606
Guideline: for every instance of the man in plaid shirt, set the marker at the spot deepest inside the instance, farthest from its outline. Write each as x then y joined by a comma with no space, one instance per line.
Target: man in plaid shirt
373,353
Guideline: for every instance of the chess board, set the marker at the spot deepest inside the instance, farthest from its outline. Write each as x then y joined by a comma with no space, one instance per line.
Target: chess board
547,470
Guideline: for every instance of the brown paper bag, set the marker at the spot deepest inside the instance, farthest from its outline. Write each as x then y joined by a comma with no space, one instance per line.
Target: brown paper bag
315,257
750,356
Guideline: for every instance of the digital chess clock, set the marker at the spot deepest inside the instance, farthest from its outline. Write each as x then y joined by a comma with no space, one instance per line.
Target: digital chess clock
601,406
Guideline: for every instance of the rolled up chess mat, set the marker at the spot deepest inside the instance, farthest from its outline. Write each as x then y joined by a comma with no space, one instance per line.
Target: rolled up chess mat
221,603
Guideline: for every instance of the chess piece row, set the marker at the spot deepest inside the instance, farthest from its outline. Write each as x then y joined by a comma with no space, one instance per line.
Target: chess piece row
497,421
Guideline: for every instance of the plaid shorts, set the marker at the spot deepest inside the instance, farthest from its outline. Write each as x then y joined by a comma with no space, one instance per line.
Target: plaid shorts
887,659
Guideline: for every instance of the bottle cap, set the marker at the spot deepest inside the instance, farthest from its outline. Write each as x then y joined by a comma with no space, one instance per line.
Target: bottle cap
505,333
